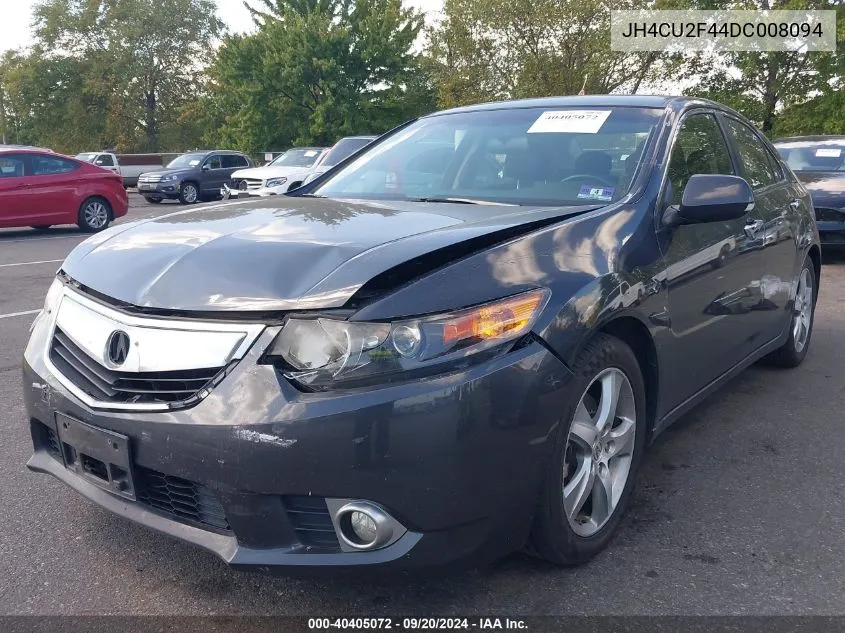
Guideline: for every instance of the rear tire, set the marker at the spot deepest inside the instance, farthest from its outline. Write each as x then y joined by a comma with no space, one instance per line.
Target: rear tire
794,350
596,456
153,200
189,193
95,214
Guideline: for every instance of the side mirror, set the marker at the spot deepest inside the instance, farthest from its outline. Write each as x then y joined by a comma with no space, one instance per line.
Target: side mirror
711,198
206,167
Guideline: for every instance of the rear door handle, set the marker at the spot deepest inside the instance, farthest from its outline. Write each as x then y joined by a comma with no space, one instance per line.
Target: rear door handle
752,226
795,203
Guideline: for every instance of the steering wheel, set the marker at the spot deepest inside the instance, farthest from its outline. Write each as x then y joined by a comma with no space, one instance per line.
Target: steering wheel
589,177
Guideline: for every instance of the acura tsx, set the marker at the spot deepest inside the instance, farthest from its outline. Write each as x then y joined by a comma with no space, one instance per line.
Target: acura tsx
455,344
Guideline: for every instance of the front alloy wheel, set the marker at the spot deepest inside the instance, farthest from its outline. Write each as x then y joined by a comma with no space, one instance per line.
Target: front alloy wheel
189,193
599,452
794,349
596,455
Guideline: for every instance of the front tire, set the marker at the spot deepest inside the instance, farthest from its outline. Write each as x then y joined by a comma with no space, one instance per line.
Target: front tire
94,215
189,193
596,457
794,350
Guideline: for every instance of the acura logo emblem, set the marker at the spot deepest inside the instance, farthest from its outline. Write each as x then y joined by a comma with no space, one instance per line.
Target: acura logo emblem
117,347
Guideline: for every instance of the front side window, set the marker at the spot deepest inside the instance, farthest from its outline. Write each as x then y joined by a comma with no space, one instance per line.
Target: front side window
521,156
104,160
757,165
813,155
50,165
11,166
699,148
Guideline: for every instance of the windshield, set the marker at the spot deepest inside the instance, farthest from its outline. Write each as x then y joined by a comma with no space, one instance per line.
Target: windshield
297,158
185,160
344,148
538,156
88,157
813,155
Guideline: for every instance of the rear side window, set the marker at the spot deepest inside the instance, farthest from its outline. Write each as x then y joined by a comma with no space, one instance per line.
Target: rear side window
50,165
11,166
758,166
233,160
699,148
214,162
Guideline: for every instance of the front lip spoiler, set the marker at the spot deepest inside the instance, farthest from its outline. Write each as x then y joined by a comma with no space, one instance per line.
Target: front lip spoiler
226,547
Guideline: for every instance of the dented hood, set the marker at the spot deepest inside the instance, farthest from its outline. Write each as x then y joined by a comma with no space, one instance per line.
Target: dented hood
279,254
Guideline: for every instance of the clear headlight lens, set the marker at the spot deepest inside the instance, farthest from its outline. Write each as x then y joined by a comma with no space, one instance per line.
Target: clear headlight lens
275,182
322,353
169,178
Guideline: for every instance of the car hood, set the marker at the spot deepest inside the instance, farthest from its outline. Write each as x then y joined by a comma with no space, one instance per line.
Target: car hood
283,254
167,172
271,172
824,187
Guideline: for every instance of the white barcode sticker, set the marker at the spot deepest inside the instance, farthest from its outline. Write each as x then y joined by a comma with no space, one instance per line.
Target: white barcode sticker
829,152
572,121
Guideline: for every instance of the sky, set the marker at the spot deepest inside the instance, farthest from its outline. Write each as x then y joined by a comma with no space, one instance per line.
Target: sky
17,14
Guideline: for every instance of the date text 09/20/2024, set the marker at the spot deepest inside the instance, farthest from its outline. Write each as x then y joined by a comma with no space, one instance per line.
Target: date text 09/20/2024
417,623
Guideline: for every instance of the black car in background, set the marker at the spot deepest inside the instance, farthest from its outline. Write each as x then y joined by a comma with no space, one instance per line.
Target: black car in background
819,163
456,345
192,177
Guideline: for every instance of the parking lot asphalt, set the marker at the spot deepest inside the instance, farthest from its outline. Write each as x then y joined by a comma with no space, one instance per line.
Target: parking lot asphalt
739,508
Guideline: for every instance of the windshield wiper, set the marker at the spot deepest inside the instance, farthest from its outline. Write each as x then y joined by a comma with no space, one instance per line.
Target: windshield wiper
463,201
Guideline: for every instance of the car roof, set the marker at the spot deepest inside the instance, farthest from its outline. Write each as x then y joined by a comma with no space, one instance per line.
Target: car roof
24,148
643,101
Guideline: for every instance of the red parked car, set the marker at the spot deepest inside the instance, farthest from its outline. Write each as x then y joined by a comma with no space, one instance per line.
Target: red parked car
40,188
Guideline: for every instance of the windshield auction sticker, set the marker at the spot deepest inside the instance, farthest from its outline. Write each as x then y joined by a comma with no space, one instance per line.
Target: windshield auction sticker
571,121
696,31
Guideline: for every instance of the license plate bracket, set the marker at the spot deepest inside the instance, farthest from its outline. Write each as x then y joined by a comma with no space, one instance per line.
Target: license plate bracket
99,456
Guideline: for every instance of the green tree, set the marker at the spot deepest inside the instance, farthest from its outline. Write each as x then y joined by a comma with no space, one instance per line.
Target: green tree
316,70
498,49
144,58
761,84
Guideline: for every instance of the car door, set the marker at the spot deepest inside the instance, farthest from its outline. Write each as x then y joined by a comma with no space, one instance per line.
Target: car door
771,226
13,185
106,161
706,275
212,175
53,192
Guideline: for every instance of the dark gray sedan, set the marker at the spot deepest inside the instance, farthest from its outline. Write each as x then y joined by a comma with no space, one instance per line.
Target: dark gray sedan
456,344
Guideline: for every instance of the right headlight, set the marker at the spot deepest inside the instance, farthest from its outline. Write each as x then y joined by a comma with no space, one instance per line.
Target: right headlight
324,353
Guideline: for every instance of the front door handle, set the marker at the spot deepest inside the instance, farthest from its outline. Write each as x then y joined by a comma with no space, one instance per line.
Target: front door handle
795,203
752,226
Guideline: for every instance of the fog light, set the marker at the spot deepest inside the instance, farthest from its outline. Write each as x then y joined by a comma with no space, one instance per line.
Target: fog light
363,526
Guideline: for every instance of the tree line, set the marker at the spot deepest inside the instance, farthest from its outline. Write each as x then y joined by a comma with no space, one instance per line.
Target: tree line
164,75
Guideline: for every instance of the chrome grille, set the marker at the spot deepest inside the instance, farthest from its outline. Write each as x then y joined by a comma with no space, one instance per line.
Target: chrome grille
106,385
150,178
248,184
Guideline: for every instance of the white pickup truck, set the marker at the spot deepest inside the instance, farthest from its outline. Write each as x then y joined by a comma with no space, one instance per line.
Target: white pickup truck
129,166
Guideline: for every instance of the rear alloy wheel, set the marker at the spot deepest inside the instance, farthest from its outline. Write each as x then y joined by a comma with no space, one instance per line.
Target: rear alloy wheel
596,455
94,215
794,350
189,193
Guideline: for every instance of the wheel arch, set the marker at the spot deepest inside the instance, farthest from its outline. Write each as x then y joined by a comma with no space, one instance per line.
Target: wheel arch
636,335
815,255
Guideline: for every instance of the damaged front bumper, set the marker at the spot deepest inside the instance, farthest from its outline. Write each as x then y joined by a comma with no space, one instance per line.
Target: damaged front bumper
255,469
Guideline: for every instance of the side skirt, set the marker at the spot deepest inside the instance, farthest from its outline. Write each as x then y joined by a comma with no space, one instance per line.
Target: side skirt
707,390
